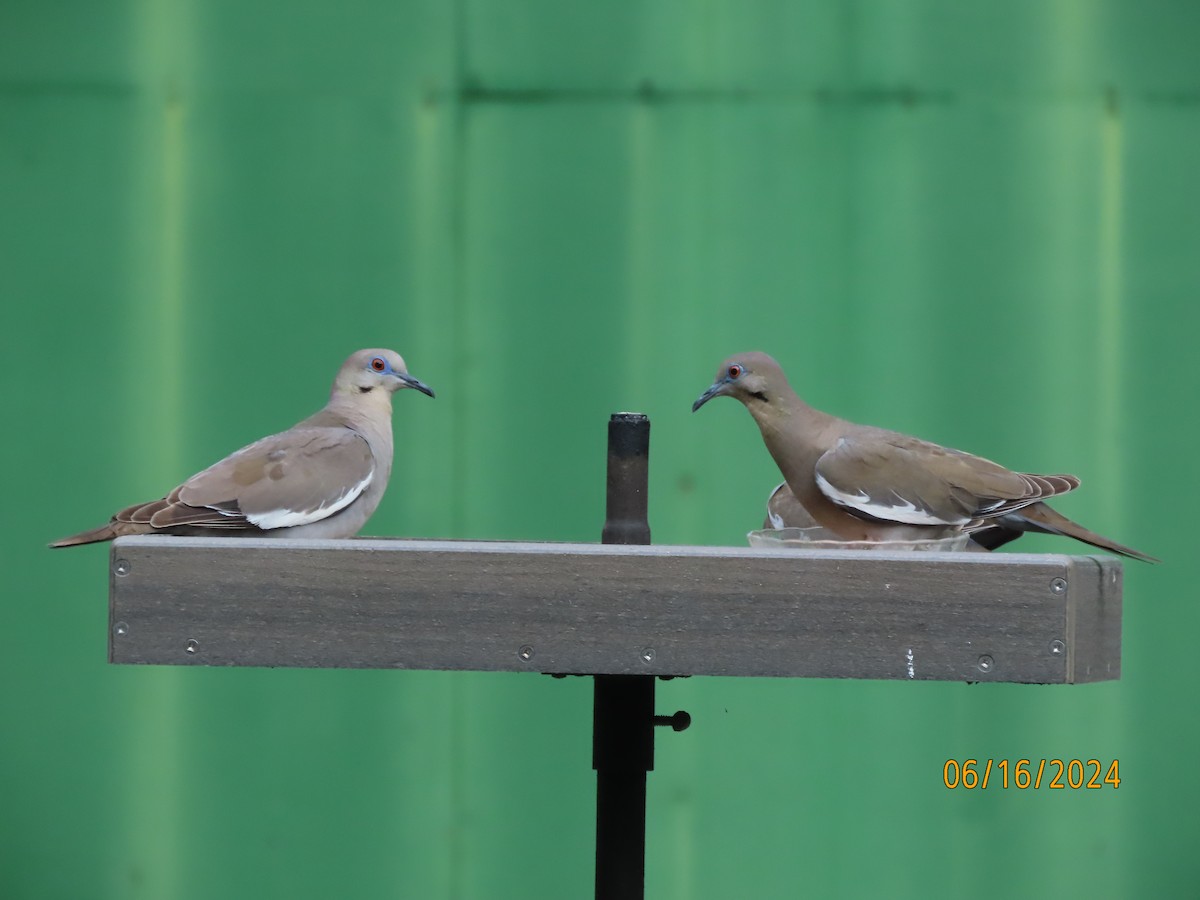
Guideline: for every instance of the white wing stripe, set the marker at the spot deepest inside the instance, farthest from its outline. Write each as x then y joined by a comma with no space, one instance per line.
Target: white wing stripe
906,511
286,518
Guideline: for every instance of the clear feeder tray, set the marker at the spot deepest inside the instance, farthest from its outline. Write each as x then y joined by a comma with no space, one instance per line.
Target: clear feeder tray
820,539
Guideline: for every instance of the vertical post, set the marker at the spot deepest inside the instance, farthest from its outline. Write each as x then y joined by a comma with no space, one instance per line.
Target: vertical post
625,520
623,723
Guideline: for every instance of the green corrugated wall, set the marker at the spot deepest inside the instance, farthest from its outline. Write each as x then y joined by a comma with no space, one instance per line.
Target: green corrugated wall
973,221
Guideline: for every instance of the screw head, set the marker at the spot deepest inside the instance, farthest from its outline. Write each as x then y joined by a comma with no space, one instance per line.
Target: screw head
120,629
192,646
526,653
122,567
1057,648
1058,586
648,655
986,663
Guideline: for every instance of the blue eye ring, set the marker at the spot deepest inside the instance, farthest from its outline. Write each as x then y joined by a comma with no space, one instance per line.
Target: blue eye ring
379,364
735,371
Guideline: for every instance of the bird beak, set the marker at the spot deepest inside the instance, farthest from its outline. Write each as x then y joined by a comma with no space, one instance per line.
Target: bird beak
411,382
716,390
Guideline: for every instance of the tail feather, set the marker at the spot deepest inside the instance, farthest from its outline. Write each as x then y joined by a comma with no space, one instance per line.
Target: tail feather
105,532
1040,517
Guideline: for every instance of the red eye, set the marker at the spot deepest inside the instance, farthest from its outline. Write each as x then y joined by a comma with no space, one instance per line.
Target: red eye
735,371
378,364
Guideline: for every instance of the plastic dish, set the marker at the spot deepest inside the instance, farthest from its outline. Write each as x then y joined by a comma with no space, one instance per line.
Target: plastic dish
820,539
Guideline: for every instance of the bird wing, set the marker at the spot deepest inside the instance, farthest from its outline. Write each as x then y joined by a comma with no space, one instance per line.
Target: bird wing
293,478
896,478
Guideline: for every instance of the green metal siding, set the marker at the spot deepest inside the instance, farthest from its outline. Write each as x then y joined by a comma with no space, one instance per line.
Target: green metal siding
972,221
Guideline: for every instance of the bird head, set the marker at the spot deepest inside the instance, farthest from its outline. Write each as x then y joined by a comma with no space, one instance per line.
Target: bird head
753,378
368,371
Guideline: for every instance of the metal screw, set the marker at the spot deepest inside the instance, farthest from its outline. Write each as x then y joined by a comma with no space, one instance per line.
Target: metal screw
678,722
192,647
648,655
1057,648
122,567
986,663
526,653
120,628
1058,585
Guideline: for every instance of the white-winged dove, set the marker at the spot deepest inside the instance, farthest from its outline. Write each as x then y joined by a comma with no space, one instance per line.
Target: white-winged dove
322,478
870,484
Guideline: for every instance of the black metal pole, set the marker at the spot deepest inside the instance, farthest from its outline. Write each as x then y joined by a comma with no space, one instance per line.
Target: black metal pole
623,725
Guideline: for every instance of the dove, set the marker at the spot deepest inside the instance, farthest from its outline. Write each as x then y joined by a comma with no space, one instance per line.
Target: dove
322,478
869,484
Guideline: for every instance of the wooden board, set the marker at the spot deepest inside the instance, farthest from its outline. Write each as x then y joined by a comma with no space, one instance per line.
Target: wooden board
597,609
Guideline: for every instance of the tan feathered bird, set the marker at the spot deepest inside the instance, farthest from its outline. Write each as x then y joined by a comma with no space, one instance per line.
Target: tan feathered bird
871,484
322,478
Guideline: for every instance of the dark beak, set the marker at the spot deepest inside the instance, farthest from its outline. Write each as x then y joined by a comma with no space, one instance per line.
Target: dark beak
713,391
414,383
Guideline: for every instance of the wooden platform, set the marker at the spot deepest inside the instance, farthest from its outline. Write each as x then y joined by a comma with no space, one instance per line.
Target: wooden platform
603,609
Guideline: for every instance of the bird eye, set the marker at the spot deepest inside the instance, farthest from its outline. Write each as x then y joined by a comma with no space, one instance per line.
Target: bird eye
378,364
735,371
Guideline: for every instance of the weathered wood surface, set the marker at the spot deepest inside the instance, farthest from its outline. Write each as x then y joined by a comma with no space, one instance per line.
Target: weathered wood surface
596,609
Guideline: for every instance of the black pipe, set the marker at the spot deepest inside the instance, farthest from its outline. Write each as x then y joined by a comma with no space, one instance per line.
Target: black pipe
628,480
623,723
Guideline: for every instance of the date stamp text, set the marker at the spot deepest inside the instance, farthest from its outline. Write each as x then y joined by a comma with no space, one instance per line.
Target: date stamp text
1025,774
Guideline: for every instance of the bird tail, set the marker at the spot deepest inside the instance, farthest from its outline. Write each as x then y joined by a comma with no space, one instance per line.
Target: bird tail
1040,517
105,532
